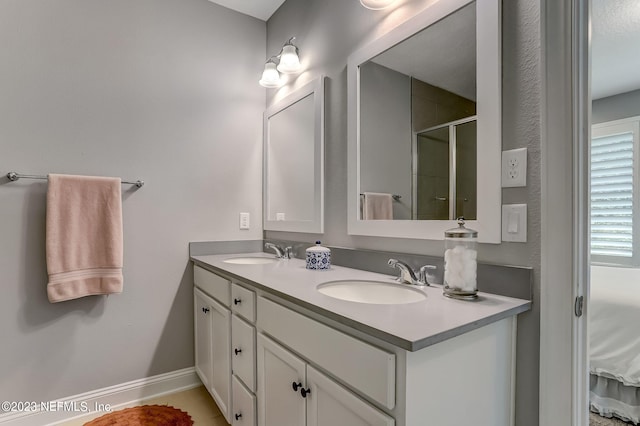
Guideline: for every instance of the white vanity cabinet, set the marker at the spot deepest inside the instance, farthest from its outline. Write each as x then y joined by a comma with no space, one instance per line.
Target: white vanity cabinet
464,379
225,344
293,393
270,361
212,348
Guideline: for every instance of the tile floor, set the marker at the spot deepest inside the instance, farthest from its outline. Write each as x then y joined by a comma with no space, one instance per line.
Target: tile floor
197,402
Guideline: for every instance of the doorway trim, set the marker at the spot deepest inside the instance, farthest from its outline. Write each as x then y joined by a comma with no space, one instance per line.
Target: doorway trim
565,130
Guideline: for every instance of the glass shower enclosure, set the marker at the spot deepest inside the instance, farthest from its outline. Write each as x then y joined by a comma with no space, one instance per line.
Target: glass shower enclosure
444,171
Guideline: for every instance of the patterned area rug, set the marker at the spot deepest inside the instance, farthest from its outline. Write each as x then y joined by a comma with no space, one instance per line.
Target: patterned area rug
144,415
596,420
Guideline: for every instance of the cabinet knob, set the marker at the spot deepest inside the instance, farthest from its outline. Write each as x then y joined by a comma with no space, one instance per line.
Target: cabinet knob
237,351
237,301
205,310
295,386
304,392
237,416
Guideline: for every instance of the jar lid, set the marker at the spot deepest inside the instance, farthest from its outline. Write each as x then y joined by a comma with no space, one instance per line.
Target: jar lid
461,231
317,248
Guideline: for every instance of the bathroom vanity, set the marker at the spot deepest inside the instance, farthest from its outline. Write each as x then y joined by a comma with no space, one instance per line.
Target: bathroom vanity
274,351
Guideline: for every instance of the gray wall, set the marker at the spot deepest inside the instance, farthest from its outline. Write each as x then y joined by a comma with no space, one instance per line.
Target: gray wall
385,152
160,90
327,31
616,107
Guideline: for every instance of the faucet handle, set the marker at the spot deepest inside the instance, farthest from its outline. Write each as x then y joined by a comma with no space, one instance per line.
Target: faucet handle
427,274
288,252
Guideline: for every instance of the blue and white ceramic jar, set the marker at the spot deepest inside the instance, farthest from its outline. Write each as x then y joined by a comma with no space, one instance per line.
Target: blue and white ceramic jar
318,257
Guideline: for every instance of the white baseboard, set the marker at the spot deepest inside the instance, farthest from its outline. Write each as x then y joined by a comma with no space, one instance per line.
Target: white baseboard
94,402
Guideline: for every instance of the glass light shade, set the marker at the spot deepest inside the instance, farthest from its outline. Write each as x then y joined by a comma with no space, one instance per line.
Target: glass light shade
270,76
376,4
289,61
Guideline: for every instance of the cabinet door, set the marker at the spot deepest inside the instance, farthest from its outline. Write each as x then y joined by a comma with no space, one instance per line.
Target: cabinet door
329,404
202,334
221,357
243,351
244,404
278,403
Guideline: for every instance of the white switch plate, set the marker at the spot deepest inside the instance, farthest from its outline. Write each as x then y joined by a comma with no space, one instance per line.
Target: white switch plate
514,168
280,216
514,223
244,220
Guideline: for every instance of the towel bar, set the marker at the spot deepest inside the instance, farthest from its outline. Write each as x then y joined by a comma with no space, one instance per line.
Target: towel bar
395,197
14,176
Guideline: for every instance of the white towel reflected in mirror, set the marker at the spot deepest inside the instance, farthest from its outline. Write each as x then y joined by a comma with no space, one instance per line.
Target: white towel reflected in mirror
377,206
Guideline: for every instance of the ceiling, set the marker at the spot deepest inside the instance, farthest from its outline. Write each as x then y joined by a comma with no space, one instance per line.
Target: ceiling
615,47
261,9
443,55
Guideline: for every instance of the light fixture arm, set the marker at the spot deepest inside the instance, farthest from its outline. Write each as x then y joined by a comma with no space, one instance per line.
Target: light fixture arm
290,43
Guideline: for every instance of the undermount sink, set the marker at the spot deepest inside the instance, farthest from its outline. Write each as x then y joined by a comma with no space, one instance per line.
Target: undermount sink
375,292
250,260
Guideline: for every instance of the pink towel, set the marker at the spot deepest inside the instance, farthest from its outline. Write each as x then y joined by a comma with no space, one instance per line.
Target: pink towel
377,206
84,236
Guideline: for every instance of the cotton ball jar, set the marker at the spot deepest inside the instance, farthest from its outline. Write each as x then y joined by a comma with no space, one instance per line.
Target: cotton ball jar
461,262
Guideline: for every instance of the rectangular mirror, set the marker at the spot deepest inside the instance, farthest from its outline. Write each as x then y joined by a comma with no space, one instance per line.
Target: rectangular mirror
424,121
293,192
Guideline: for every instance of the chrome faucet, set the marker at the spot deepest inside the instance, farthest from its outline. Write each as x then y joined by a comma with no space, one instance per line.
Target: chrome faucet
408,276
280,252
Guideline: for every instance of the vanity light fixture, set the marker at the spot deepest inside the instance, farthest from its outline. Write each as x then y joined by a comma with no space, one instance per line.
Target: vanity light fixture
270,75
376,4
287,62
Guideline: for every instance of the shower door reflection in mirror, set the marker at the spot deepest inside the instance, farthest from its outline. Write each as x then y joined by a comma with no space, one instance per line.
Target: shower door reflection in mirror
444,170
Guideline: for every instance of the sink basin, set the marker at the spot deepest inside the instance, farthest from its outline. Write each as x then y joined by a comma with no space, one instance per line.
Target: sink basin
250,260
375,292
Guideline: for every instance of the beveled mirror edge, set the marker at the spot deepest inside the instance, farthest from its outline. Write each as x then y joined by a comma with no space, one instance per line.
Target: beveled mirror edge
489,92
316,88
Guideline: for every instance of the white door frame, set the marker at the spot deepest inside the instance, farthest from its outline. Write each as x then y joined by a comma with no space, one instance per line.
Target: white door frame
565,129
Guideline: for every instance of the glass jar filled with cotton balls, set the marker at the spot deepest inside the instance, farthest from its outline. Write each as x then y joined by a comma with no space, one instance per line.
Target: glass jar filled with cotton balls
461,262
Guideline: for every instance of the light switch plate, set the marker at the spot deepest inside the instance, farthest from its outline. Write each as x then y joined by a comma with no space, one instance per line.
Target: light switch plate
514,223
244,220
514,168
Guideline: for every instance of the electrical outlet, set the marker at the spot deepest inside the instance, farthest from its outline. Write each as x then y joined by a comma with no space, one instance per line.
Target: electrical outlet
244,220
514,168
280,216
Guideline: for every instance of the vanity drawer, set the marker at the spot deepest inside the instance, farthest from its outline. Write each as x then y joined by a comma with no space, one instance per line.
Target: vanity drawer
212,284
243,302
243,351
244,405
369,369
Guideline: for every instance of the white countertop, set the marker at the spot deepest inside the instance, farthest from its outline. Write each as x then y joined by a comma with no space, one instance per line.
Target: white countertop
411,326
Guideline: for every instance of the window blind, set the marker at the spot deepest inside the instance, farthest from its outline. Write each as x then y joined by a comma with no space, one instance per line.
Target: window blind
612,195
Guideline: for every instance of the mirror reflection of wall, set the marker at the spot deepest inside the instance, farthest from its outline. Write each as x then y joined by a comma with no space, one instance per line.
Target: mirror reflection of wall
293,172
417,121
291,161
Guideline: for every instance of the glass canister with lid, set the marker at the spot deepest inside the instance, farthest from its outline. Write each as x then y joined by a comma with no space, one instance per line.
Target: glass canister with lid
461,262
